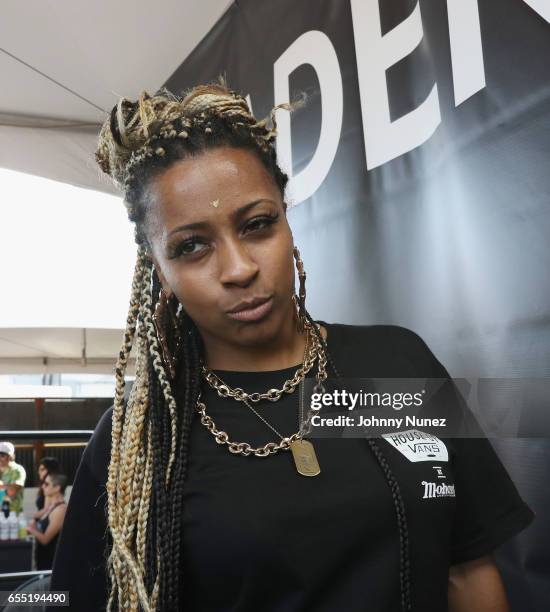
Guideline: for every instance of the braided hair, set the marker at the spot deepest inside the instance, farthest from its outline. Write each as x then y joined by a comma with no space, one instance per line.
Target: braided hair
404,563
150,430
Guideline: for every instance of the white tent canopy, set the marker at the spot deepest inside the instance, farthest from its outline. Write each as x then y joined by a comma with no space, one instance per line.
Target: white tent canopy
68,253
68,256
64,64
51,349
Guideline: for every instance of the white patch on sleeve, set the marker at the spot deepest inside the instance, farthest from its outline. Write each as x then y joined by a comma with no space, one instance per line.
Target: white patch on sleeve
417,445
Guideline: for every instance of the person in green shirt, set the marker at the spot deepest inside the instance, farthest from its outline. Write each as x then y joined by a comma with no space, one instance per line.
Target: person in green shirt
12,477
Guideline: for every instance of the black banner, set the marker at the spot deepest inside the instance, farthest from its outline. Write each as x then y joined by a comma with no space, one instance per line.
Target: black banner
420,184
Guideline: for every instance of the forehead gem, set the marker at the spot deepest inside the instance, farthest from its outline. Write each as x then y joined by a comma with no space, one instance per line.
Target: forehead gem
215,203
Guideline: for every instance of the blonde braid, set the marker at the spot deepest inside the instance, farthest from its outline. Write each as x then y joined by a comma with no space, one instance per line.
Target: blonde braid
129,496
143,456
130,471
143,512
154,351
133,481
132,435
125,429
142,497
120,369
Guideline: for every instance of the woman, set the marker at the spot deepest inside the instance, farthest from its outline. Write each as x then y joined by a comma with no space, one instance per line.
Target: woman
46,527
205,497
47,465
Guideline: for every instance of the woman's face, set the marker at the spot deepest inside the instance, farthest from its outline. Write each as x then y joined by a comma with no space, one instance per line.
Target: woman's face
219,236
48,488
42,471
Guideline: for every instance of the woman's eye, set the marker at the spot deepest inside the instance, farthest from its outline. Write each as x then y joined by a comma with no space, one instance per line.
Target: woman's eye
188,247
260,223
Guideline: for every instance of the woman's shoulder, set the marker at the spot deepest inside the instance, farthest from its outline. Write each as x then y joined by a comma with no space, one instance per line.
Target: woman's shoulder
378,337
102,431
380,331
97,454
59,509
383,350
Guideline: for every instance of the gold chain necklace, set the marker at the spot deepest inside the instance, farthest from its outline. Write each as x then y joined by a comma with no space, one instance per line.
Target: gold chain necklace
302,450
273,395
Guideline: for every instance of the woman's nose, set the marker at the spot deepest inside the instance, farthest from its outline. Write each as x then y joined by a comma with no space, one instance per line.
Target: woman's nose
236,265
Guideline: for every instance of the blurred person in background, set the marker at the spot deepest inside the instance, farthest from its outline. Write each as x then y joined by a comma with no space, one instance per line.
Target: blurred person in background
12,478
47,465
47,526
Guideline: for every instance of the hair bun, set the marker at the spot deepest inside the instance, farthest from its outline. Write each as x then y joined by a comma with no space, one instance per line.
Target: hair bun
126,136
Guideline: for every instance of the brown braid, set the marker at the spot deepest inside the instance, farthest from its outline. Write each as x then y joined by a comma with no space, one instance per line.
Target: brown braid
404,558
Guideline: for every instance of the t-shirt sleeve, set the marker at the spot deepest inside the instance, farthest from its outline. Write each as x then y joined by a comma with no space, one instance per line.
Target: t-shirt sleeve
80,560
21,476
489,509
15,475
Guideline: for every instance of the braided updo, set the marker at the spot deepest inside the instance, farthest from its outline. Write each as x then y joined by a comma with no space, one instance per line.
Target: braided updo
150,431
143,138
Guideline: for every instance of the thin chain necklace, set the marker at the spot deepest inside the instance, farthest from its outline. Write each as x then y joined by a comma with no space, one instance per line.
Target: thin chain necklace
302,450
245,399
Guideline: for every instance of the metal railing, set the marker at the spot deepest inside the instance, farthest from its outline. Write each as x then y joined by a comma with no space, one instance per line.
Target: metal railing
23,575
46,434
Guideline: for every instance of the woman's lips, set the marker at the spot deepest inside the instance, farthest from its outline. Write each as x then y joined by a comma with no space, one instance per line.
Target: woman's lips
253,314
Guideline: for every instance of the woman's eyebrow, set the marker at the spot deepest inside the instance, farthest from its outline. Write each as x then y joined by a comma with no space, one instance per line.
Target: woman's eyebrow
239,212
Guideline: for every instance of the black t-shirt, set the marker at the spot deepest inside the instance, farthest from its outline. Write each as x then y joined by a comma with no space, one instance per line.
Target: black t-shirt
259,536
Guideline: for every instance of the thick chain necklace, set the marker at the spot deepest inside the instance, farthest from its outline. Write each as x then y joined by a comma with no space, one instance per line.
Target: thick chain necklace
273,395
302,450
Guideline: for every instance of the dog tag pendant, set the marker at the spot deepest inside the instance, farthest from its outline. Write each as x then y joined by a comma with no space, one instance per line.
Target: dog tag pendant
304,457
